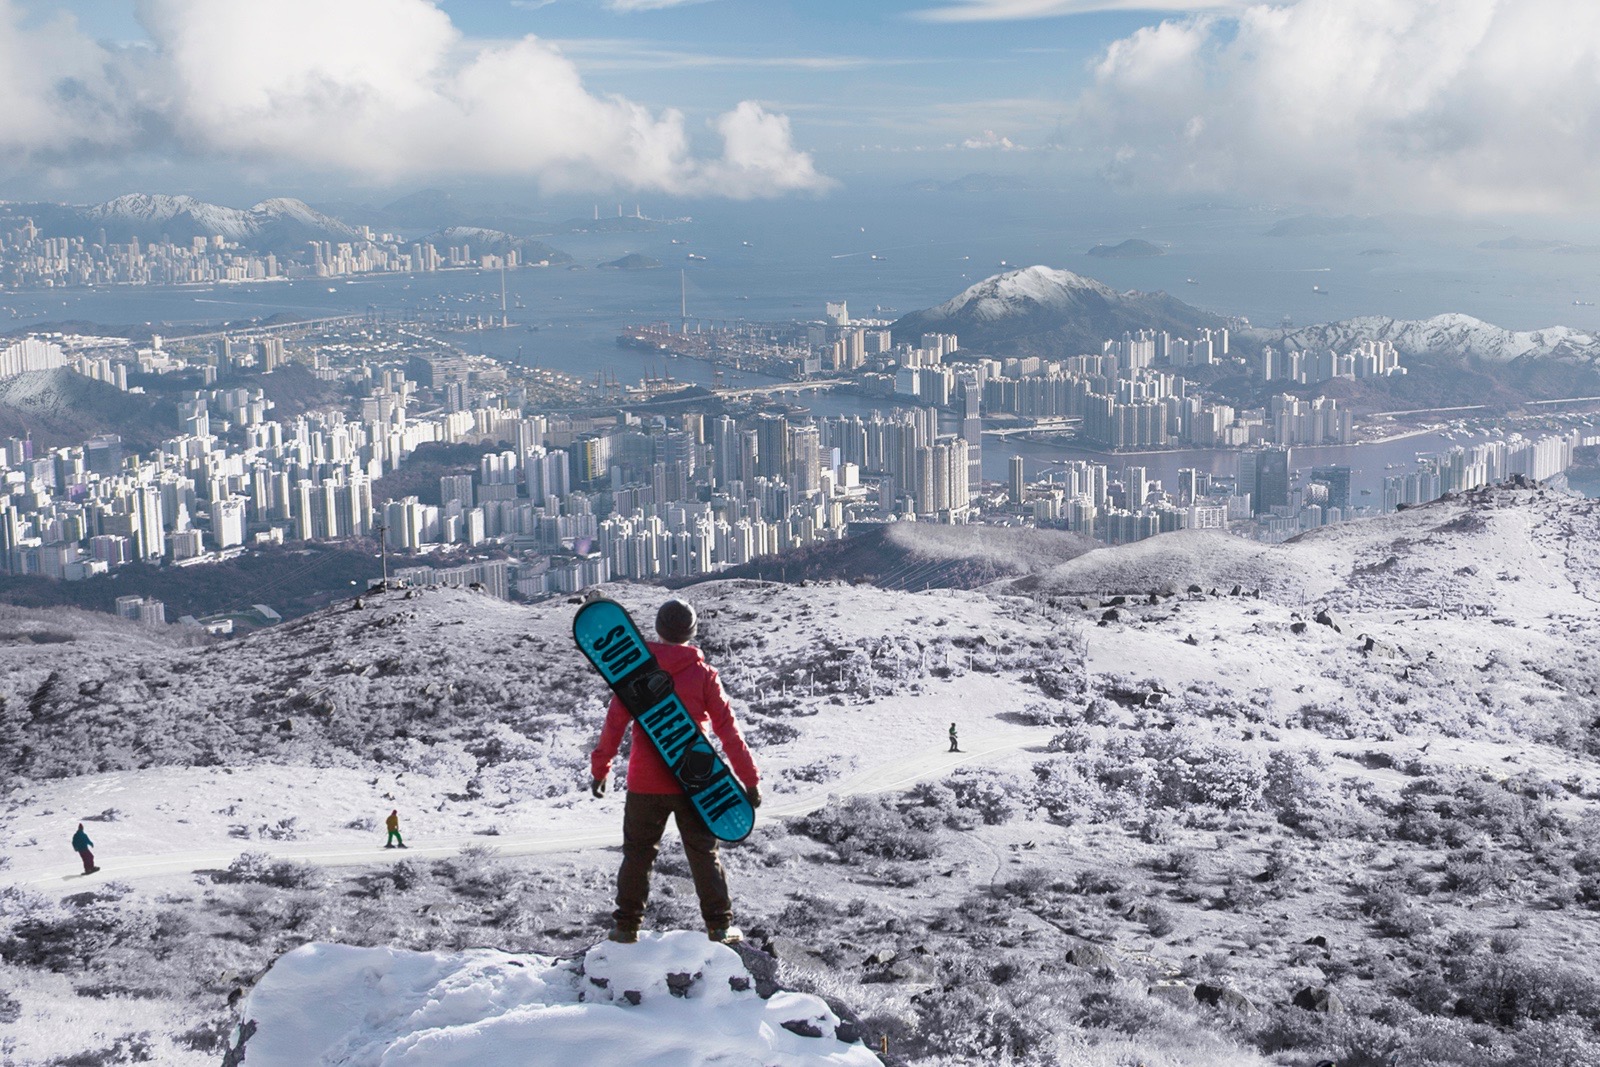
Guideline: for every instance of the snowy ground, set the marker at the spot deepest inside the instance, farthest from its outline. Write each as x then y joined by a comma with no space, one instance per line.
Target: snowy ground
1198,784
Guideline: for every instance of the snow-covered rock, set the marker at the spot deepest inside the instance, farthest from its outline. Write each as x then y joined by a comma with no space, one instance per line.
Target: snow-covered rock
672,999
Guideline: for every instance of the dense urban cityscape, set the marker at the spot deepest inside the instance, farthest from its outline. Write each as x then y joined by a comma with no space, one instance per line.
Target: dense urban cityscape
613,488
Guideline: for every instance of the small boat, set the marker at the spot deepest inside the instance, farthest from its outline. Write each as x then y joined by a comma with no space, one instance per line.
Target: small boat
698,258
1190,281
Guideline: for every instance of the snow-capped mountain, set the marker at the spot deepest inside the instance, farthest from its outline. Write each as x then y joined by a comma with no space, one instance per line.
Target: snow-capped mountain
1442,335
1043,311
1216,802
277,224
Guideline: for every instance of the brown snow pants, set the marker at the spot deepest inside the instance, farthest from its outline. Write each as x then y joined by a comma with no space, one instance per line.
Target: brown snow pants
644,820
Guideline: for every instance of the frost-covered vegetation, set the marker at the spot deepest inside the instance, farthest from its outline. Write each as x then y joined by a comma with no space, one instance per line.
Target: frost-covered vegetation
1349,811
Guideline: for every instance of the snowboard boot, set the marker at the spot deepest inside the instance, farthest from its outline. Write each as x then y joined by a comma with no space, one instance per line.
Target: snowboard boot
92,870
726,935
623,936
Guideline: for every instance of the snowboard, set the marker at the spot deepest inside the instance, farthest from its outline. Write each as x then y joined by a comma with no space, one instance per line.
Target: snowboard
608,638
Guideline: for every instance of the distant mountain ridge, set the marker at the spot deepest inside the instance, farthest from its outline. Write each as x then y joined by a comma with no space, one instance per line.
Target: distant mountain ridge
484,239
274,225
1043,311
1047,312
1442,335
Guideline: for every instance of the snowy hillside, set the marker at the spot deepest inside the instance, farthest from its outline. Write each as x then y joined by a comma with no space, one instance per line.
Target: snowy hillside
61,407
1217,803
275,224
1442,335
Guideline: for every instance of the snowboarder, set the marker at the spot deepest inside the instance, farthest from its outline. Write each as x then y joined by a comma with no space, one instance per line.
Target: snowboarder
81,845
393,823
953,746
654,794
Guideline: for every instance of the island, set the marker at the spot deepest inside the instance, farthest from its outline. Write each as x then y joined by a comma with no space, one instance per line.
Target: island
632,261
1133,248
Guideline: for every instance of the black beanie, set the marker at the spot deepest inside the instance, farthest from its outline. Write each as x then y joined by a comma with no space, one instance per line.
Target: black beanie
675,622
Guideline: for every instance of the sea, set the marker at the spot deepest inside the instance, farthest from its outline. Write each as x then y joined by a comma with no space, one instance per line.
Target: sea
887,251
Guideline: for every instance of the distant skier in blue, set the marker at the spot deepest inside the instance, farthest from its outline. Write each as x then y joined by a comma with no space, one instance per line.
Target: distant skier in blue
81,845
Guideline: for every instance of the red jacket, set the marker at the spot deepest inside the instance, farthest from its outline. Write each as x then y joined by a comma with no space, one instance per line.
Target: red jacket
701,692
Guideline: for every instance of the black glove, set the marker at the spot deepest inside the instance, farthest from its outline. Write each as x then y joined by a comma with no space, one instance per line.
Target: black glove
597,788
754,793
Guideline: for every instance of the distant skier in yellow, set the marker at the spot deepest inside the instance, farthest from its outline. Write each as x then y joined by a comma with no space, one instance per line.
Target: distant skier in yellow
393,823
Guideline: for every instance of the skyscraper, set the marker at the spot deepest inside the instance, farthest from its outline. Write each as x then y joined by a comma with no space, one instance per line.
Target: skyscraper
1337,479
772,437
1272,480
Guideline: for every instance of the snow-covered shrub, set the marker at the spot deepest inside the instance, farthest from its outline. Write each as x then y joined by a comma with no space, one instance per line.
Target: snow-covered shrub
1158,919
1062,792
1285,870
285,829
1453,811
990,794
263,869
870,826
1392,910
1295,790
1189,771
1075,737
971,1020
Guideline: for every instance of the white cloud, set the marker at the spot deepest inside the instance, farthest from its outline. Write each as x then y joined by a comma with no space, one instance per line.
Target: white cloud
383,89
1476,105
1008,10
990,140
648,5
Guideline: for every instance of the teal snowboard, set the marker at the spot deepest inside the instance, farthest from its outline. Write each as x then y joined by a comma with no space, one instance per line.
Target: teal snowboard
607,636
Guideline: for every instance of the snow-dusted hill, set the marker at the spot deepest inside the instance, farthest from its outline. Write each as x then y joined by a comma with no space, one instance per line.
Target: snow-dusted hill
1044,311
61,407
1040,310
1442,335
1350,808
278,224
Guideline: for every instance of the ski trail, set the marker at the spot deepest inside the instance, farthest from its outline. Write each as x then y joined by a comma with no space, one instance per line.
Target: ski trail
933,763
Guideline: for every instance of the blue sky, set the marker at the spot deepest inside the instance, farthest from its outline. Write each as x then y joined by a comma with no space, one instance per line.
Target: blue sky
1473,106
848,74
